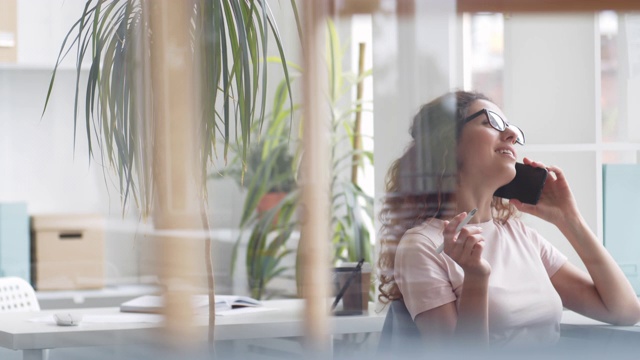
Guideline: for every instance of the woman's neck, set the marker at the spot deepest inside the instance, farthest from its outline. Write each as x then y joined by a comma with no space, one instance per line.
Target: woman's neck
469,199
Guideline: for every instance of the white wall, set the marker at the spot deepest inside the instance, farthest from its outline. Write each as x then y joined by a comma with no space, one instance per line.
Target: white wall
37,149
552,89
41,167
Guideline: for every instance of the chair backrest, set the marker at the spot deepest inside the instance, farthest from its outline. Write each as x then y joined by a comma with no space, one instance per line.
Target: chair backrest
17,295
400,335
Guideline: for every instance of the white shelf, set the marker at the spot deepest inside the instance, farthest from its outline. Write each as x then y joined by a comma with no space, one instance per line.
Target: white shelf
105,297
39,67
603,146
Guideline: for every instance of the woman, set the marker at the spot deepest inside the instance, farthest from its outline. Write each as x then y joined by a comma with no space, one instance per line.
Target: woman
497,282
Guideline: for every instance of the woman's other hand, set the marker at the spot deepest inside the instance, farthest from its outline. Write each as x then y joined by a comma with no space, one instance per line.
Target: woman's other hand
465,247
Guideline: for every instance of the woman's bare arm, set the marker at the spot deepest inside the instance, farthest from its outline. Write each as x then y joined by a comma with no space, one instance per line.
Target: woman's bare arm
604,293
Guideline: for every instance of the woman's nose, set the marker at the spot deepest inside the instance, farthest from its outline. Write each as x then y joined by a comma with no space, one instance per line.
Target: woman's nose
509,135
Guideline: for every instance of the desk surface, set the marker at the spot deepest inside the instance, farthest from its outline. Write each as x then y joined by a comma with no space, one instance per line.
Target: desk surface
579,326
284,319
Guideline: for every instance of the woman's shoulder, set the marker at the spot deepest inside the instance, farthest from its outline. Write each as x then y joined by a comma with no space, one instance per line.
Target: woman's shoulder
514,224
428,231
426,228
519,229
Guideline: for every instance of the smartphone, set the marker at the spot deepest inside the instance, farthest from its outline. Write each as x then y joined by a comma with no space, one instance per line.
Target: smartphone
526,186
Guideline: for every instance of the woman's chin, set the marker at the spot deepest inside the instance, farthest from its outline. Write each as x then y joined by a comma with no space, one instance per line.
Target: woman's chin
509,175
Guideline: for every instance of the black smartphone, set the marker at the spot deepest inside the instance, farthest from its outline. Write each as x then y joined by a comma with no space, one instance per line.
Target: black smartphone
526,186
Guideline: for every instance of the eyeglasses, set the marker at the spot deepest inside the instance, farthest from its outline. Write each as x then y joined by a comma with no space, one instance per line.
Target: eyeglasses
498,123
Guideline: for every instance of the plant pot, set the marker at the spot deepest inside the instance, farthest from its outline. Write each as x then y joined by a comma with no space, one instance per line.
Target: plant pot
268,202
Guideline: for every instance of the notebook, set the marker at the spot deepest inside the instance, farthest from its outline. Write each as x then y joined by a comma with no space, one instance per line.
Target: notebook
200,303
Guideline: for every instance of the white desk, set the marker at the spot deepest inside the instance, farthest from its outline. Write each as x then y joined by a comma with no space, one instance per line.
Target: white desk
32,338
581,327
584,338
18,333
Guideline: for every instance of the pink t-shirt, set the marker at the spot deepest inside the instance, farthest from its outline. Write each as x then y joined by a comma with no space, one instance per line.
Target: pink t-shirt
524,307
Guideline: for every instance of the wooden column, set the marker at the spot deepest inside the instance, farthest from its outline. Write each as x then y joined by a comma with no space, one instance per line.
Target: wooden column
176,169
315,238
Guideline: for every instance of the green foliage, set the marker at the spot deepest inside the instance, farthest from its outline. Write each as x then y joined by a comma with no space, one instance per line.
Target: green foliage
272,165
351,206
267,244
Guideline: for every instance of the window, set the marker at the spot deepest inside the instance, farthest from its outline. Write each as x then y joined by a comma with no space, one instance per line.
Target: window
485,58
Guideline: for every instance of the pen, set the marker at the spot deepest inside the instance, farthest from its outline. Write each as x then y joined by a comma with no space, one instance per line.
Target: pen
460,226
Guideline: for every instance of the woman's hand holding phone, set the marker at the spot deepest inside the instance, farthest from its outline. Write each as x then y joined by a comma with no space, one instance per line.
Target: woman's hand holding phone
465,247
556,201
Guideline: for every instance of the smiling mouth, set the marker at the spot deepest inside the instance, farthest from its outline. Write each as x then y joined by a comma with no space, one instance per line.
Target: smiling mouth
506,152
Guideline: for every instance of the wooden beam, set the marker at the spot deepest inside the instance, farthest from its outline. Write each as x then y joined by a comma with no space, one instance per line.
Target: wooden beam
404,7
353,7
546,5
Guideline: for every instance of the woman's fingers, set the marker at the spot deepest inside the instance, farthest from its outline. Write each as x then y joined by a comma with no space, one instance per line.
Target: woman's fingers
465,247
523,207
463,243
528,161
469,248
554,171
450,230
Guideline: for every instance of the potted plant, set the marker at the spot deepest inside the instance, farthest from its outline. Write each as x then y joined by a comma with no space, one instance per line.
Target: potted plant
269,177
281,180
269,174
351,207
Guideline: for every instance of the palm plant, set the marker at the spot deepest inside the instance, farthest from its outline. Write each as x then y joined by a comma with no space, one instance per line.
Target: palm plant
229,37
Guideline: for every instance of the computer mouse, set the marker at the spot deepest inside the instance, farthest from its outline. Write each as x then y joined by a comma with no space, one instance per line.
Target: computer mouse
67,319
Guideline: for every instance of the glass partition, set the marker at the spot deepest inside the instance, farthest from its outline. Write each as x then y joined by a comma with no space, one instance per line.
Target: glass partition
288,201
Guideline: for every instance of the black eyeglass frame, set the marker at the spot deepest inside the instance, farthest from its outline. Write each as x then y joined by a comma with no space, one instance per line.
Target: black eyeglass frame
490,116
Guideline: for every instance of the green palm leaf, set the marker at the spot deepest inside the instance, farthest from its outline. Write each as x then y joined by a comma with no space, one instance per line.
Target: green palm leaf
230,40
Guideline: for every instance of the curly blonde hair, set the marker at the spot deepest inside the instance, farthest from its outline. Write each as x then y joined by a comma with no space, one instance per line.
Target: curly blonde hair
421,183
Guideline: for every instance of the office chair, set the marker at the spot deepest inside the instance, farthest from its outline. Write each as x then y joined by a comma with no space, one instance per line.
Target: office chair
17,295
400,335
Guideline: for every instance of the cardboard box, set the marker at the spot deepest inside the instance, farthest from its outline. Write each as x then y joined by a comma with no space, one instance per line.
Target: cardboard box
14,241
68,252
